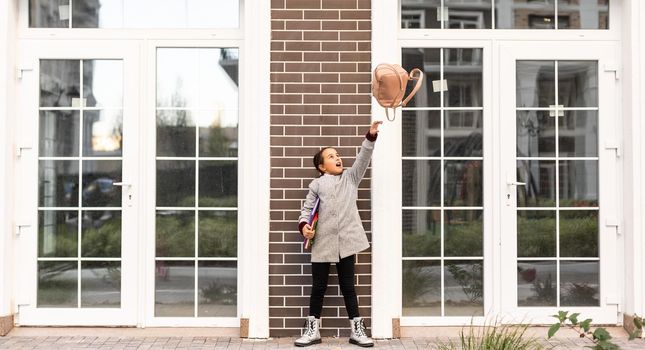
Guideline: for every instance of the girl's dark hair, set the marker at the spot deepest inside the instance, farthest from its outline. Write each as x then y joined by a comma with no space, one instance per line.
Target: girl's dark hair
318,159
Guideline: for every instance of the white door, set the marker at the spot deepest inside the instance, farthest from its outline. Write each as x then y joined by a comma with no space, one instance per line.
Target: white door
77,176
559,180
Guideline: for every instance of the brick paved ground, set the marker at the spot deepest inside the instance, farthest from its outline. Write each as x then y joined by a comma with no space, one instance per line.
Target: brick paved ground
89,342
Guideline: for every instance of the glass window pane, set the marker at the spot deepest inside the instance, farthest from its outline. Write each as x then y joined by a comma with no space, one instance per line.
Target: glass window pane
182,14
523,14
463,183
175,233
49,14
462,71
103,83
97,13
217,233
536,233
578,134
463,133
421,233
578,83
579,233
535,83
468,14
57,284
421,183
60,83
535,133
218,133
421,135
463,233
421,14
58,183
217,183
59,133
217,289
175,133
98,179
175,183
174,289
536,283
589,14
579,283
578,183
464,288
429,61
101,233
421,288
101,284
539,177
103,133
57,233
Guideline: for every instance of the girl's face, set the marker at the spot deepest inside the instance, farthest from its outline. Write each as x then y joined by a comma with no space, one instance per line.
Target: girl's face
332,164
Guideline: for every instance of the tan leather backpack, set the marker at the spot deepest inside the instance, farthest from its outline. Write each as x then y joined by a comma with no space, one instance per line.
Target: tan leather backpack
389,83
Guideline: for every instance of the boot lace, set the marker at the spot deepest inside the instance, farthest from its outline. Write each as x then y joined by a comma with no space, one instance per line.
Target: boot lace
309,324
359,329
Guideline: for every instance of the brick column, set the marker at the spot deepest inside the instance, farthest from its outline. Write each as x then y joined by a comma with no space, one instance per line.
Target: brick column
320,96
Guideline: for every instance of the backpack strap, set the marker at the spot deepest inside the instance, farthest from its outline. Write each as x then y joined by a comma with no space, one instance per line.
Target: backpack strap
417,85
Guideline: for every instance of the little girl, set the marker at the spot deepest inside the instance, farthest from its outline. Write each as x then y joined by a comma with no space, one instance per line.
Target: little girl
338,236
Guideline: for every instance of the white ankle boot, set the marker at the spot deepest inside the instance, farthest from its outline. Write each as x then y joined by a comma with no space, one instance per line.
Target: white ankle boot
312,332
358,335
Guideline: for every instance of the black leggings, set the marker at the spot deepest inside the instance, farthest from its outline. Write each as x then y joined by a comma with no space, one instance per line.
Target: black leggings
320,274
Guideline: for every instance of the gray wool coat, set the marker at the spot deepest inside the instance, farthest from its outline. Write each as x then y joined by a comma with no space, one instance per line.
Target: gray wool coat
339,233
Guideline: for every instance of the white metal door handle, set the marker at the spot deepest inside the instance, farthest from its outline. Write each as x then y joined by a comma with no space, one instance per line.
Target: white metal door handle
515,183
121,184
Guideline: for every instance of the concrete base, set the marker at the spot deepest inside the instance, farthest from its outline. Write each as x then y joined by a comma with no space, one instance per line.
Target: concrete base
6,324
231,332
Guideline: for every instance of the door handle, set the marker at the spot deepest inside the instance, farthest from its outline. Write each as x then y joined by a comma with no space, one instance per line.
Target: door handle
121,184
515,183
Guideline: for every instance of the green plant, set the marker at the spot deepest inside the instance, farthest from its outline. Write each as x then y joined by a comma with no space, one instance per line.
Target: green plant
600,337
493,336
638,327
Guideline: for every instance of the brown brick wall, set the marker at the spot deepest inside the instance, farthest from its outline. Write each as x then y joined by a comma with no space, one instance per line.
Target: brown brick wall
320,96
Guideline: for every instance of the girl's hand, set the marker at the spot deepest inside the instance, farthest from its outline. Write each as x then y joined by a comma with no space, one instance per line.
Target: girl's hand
308,232
374,127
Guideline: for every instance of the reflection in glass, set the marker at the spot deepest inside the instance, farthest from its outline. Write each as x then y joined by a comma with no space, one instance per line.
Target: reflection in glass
590,14
218,133
463,133
101,284
175,233
421,233
579,183
175,133
217,289
217,233
48,14
421,135
57,233
175,183
421,183
98,13
101,233
539,177
182,14
60,83
463,183
217,183
463,75
523,14
579,283
468,14
464,288
430,61
463,233
421,288
103,133
535,132
536,283
535,84
579,233
58,133
536,232
578,134
103,83
421,14
174,288
57,284
98,179
58,183
578,83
